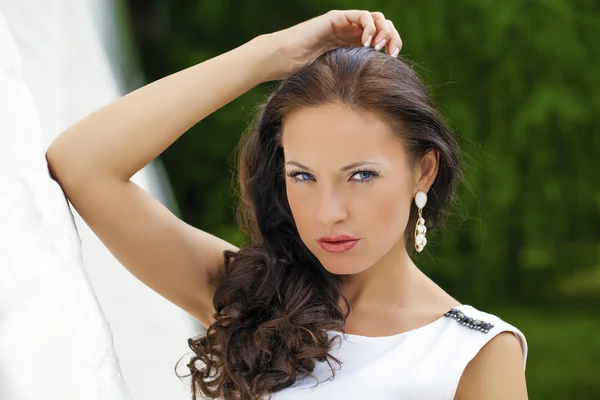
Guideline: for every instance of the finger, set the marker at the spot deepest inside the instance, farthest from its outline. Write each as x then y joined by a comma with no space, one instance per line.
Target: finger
384,34
395,43
365,20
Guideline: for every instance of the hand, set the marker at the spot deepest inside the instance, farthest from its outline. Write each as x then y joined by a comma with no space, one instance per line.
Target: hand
301,44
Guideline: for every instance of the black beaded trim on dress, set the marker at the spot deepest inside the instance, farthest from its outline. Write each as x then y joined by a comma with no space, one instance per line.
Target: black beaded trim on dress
469,322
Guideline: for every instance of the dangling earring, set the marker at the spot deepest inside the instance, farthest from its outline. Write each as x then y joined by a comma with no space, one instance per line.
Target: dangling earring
420,229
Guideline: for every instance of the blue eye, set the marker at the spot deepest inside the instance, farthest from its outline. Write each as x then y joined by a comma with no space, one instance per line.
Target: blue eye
299,176
302,177
364,176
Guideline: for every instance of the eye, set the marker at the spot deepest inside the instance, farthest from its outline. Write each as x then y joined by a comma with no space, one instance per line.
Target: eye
364,175
302,177
299,176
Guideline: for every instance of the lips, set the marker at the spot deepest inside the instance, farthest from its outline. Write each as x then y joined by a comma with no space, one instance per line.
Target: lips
337,244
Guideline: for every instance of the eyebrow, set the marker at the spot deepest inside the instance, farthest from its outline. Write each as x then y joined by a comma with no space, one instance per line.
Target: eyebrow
343,169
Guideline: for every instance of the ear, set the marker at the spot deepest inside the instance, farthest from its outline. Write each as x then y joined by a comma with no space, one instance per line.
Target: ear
426,170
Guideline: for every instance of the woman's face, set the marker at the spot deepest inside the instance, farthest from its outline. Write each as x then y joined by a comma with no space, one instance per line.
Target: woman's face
347,174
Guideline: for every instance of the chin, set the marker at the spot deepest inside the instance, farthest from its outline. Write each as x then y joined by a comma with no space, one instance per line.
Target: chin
343,265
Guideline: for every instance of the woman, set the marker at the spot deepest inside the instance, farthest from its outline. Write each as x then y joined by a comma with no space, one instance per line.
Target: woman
347,166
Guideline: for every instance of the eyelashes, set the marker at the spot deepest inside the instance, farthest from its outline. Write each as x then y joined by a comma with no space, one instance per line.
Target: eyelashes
300,176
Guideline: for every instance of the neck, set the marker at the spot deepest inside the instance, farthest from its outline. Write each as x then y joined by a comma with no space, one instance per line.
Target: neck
393,280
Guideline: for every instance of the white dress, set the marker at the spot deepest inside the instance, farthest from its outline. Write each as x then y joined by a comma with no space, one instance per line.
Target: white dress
424,363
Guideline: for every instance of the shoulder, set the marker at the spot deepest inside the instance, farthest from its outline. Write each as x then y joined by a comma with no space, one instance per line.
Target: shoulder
497,368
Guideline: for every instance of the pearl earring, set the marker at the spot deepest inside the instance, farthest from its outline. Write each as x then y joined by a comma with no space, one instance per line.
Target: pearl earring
420,229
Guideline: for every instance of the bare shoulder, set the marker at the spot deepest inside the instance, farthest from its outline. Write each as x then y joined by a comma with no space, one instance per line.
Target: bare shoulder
496,372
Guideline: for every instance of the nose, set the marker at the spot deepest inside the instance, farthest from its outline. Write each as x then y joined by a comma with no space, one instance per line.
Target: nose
331,208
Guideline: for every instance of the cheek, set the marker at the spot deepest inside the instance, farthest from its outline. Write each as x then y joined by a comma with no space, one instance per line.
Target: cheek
300,204
385,214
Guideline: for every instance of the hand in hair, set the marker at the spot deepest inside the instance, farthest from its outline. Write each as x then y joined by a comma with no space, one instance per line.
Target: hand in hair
303,43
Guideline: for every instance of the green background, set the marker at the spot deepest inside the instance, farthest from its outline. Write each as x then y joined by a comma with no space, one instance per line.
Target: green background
519,82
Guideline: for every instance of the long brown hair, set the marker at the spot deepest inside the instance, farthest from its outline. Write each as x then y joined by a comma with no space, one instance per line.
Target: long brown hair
275,302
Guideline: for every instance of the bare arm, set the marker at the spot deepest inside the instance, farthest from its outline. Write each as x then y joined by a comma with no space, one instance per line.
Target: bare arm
121,138
95,159
496,372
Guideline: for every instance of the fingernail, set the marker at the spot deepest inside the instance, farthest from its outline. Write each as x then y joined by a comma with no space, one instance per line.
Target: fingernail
395,52
368,42
380,45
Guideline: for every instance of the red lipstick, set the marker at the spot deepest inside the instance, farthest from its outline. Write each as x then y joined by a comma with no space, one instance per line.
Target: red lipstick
337,244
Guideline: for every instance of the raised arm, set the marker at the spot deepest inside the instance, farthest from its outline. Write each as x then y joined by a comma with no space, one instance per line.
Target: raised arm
119,139
95,159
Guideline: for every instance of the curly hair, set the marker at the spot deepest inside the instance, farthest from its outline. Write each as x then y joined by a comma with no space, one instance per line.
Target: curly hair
275,303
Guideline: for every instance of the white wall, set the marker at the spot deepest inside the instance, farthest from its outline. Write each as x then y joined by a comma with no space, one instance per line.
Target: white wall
72,65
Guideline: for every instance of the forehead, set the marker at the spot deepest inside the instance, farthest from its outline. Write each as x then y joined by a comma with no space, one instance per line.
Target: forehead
339,134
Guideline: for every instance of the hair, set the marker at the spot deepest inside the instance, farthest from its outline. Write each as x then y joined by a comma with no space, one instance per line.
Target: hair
275,302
